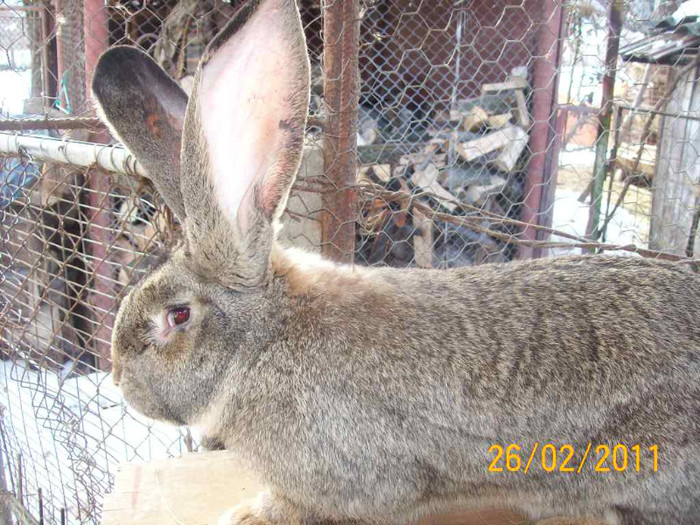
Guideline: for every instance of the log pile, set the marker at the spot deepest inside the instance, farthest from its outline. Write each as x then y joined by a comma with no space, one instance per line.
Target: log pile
474,161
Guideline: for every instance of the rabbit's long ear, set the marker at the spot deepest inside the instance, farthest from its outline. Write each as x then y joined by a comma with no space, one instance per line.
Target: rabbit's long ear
243,140
145,109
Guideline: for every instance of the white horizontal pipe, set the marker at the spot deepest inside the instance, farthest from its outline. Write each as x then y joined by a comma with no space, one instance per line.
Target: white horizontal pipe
115,159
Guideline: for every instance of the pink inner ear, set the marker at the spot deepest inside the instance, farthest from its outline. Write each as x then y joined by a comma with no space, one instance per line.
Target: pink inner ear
245,99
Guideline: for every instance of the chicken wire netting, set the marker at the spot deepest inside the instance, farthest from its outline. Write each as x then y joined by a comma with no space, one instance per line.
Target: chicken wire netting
478,132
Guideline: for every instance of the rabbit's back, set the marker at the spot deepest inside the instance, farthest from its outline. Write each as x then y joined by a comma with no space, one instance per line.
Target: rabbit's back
591,325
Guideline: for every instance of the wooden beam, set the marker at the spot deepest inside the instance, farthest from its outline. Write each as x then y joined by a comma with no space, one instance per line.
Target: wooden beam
200,487
423,240
512,150
499,121
475,119
522,112
428,180
477,148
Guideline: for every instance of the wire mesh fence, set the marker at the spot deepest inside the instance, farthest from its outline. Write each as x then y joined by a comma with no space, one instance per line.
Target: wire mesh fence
441,134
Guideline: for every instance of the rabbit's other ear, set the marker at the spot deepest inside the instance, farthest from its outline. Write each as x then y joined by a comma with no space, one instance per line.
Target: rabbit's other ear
145,109
243,139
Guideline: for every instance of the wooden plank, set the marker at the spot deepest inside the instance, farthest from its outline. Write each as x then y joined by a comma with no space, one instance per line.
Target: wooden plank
500,121
522,112
477,517
511,151
428,179
475,119
192,489
477,148
380,171
197,488
493,104
477,194
627,156
677,173
423,240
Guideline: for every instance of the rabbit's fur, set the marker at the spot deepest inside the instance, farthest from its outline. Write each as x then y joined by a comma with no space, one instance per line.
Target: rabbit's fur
373,395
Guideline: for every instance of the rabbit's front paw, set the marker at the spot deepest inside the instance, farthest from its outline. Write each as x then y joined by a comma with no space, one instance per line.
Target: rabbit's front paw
247,513
266,509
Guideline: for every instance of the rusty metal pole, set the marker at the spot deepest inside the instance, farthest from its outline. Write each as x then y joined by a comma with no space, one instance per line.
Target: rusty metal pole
102,300
604,117
96,36
341,35
541,174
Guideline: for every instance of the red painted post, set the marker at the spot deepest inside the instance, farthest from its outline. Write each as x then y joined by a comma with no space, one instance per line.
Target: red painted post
102,297
541,176
96,37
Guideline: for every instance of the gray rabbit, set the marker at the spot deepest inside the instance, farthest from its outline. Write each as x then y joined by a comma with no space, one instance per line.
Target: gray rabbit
376,396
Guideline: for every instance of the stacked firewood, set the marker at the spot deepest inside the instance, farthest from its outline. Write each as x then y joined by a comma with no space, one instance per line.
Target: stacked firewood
474,162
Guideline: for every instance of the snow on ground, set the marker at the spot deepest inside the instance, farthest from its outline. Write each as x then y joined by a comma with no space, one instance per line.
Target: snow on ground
15,87
571,216
71,435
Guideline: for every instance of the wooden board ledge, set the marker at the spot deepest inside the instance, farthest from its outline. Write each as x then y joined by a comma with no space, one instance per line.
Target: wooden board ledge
195,489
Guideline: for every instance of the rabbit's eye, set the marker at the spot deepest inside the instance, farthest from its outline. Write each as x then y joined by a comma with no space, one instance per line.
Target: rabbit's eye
178,316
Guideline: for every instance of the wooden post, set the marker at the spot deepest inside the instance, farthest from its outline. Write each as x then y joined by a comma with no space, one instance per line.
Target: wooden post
49,53
610,168
604,116
341,33
69,42
36,44
4,507
676,188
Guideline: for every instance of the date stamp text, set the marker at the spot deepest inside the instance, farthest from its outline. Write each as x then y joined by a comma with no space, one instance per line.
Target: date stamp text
548,457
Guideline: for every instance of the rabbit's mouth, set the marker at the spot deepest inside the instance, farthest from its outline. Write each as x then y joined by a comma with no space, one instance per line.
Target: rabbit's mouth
148,403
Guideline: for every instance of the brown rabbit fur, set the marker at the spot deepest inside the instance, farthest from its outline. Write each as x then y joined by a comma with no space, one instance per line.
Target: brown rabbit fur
372,396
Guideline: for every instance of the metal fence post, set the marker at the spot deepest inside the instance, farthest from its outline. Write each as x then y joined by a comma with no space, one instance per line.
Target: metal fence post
341,34
96,37
541,175
97,41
